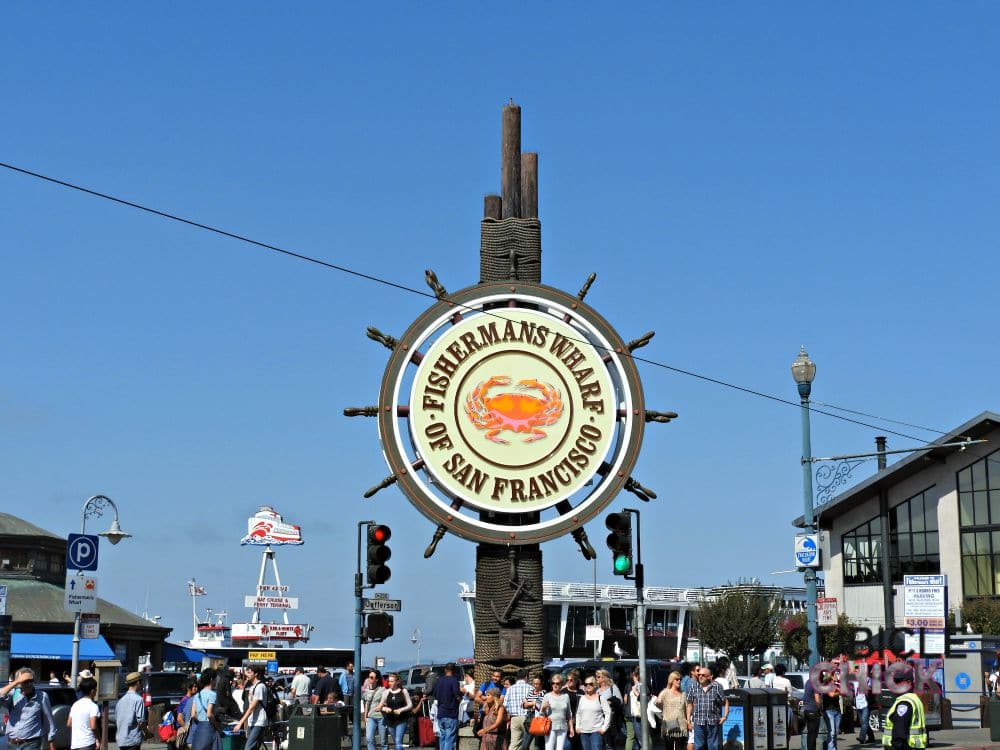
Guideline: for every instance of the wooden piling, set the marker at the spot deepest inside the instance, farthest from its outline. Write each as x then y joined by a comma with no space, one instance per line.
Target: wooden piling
492,207
529,186
510,162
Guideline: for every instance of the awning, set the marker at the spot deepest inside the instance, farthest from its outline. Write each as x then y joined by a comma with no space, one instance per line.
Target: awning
176,654
57,647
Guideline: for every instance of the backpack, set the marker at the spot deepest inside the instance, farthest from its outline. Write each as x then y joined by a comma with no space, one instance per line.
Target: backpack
270,703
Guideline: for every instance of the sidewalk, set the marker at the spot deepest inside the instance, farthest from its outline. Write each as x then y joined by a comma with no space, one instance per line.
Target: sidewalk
963,739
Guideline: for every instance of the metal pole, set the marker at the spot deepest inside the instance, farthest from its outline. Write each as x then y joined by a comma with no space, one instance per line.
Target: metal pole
640,616
810,528
358,625
75,666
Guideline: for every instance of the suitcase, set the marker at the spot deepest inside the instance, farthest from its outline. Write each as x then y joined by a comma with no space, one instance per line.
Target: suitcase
425,732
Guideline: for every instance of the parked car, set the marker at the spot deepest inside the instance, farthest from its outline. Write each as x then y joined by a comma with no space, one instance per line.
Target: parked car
161,692
415,678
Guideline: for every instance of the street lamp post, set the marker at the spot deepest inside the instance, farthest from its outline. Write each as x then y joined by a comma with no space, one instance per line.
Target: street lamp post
804,371
94,507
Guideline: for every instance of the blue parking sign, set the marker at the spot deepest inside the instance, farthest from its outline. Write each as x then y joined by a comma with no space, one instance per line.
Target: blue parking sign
81,552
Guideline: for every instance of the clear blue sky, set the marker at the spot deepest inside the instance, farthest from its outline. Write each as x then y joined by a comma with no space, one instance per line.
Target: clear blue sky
743,177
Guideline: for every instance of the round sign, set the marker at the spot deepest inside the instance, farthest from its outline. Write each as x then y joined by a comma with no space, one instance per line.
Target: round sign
806,551
511,413
962,680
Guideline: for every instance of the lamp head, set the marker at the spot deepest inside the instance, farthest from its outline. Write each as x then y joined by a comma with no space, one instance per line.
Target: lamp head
115,533
804,371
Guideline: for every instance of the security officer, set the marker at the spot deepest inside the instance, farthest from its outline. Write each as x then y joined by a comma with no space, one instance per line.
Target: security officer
905,725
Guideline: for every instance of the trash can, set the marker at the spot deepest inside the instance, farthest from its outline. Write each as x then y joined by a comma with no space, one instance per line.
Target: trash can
318,726
233,740
993,710
737,730
777,719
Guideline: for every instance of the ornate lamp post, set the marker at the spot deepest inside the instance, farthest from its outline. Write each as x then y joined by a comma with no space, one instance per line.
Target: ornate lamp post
93,508
804,371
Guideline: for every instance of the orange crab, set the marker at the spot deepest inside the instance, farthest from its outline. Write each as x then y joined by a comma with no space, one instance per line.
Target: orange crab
517,412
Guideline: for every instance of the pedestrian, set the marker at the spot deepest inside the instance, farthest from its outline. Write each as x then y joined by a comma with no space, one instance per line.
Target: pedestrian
346,685
831,708
593,716
182,715
83,715
298,691
607,689
29,713
728,672
673,721
82,675
707,709
205,724
811,712
768,674
448,695
533,703
371,698
514,701
494,721
325,689
555,705
130,715
468,688
757,680
633,714
690,676
495,681
254,717
862,690
574,689
395,708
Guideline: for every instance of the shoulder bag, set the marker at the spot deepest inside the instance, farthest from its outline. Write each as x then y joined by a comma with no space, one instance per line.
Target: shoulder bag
540,726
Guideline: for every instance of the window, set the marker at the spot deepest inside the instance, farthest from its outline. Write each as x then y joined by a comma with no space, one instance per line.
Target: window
979,517
913,543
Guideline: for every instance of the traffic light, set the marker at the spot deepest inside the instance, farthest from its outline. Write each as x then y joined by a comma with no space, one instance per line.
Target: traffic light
378,554
378,627
620,542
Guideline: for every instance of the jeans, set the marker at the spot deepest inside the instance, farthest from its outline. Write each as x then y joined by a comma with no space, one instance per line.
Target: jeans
636,731
833,727
255,736
706,736
449,733
372,727
592,740
865,733
397,732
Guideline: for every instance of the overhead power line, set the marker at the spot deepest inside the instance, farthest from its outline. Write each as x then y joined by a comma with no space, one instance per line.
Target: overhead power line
422,293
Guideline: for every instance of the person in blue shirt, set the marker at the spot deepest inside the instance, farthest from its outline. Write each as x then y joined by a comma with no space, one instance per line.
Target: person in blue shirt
29,720
130,715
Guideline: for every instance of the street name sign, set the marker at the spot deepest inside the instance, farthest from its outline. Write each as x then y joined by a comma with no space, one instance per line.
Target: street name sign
81,593
271,602
381,605
81,552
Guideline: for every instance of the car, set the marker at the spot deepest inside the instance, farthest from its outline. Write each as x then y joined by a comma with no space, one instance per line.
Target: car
415,678
161,692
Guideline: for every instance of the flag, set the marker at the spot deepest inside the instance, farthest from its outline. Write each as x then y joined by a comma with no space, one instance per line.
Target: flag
195,590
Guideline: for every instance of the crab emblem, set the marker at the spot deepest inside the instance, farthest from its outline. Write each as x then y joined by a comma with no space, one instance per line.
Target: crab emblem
516,412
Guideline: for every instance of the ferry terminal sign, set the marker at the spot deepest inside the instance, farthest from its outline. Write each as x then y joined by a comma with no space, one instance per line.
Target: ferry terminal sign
511,399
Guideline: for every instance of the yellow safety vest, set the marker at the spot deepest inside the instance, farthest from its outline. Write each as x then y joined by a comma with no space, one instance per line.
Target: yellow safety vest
918,724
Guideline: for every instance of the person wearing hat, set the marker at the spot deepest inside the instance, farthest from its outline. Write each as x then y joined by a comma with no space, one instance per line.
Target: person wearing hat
130,715
768,674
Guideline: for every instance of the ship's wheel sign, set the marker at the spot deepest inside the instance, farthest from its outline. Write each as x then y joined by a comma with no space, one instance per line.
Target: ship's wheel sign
506,400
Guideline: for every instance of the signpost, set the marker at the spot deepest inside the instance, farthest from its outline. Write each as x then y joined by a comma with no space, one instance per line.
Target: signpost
81,593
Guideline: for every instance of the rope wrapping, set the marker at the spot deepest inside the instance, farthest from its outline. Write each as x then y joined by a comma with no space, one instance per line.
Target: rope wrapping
510,249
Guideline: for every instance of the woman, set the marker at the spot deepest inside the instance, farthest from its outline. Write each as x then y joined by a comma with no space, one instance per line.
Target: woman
491,736
593,716
467,687
395,708
606,688
372,693
205,726
555,705
673,704
83,717
533,703
831,710
182,716
633,710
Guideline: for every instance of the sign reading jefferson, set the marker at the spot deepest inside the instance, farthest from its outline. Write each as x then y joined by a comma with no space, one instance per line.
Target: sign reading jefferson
513,412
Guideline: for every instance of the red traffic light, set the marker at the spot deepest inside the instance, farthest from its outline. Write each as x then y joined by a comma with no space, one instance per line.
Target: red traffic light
379,534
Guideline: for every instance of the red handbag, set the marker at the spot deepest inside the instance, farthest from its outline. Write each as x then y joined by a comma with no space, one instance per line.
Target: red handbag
540,726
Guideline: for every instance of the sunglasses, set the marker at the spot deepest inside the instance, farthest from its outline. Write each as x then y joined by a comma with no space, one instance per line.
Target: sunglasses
590,684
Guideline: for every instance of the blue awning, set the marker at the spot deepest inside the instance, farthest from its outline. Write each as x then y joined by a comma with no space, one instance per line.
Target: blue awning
57,647
176,654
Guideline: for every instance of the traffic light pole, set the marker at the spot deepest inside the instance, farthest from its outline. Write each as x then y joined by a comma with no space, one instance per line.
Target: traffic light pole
359,622
640,628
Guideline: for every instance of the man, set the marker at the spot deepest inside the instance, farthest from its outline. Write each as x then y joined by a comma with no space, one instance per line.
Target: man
448,695
905,725
130,715
707,709
298,691
495,681
29,720
812,713
325,689
347,684
690,678
517,695
255,716
83,716
768,675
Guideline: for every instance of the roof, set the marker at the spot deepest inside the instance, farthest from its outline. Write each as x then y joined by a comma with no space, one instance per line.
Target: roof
57,646
895,473
14,526
31,600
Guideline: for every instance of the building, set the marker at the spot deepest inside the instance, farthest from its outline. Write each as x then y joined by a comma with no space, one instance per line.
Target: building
569,608
33,568
936,511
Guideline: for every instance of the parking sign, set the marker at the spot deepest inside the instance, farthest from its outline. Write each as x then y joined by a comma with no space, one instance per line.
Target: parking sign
81,552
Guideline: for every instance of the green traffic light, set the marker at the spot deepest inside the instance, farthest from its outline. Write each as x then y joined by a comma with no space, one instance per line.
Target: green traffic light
622,564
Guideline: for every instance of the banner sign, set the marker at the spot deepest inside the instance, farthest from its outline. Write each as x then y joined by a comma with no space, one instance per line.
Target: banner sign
255,631
271,602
